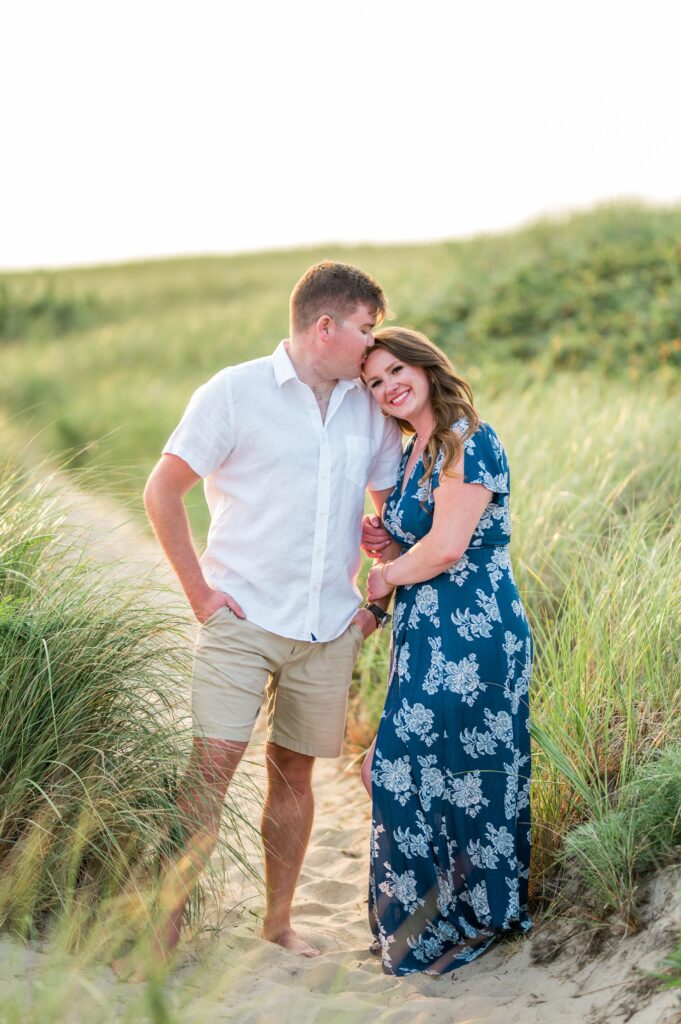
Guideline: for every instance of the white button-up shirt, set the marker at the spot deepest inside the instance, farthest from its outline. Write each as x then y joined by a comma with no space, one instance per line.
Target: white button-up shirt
286,491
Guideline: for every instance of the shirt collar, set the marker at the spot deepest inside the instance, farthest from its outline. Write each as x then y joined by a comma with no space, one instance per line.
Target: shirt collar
283,367
284,370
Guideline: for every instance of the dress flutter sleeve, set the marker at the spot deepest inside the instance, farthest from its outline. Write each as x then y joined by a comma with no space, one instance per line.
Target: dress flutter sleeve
485,461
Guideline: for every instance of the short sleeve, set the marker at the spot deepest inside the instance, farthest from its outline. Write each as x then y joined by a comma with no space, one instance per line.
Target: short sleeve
484,461
205,435
386,463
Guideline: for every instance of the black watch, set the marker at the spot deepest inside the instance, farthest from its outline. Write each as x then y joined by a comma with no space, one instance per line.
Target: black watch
382,617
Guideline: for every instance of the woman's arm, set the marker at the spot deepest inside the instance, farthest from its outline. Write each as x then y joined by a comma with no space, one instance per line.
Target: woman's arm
458,508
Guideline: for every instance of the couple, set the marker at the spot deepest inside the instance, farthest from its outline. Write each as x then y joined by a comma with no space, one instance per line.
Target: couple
287,446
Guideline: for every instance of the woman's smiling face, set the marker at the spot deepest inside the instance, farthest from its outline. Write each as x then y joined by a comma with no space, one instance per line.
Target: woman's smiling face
399,389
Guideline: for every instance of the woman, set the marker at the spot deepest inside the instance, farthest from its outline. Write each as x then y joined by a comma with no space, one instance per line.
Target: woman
450,766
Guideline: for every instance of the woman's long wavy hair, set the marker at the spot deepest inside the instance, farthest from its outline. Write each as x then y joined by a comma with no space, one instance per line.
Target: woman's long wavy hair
450,395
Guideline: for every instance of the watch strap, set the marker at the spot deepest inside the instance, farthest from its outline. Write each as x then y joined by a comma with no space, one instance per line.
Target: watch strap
382,617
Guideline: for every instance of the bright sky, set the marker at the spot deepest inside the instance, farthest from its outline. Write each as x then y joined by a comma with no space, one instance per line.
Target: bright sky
134,129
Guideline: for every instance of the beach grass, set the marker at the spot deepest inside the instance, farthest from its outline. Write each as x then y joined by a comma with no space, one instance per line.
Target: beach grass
640,832
93,731
672,963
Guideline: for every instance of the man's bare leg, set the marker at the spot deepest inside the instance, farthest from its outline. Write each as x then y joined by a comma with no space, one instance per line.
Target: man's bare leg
200,798
286,826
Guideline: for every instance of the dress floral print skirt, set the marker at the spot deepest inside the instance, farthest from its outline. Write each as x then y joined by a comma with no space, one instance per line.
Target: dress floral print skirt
450,839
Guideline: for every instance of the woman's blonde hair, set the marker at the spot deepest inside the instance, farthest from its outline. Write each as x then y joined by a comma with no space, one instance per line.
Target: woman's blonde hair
450,395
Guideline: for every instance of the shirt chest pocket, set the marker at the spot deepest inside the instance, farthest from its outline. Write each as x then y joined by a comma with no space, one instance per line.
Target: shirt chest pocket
357,459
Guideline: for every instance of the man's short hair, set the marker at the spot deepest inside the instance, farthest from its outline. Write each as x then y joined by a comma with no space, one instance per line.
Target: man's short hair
337,289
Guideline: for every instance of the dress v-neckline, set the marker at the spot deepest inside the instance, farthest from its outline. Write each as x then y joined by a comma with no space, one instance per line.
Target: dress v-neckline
406,477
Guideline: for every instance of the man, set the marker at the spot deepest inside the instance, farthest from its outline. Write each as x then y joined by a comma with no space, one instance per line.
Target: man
287,446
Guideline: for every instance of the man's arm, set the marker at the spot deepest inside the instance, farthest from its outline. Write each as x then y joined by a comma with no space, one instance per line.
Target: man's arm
379,498
164,493
387,550
376,541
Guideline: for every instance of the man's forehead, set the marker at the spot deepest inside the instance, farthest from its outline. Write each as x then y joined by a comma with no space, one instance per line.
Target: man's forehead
364,314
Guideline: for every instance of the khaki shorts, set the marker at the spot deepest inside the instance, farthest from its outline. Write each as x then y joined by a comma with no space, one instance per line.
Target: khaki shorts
236,663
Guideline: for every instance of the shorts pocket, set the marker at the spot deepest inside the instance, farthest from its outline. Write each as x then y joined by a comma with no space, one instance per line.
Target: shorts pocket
213,618
357,636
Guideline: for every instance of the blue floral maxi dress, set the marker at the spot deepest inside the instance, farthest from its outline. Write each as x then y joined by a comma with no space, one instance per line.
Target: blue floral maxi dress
450,839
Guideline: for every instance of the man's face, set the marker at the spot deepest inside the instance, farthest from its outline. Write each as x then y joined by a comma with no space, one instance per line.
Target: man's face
350,341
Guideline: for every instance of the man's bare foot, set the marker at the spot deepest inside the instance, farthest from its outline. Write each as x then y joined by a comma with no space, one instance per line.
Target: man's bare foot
146,960
137,967
291,941
133,971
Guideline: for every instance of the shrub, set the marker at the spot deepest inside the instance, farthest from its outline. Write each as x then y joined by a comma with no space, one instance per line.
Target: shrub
637,832
91,675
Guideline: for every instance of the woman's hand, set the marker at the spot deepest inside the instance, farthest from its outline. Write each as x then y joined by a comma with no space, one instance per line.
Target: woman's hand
366,767
376,584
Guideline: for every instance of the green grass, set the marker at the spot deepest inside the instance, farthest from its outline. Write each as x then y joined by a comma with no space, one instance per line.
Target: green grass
672,963
603,293
92,673
639,832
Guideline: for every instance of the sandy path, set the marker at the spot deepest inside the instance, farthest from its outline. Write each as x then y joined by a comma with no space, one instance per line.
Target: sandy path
245,979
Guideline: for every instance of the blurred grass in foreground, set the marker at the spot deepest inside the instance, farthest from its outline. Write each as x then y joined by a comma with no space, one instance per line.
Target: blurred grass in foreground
93,685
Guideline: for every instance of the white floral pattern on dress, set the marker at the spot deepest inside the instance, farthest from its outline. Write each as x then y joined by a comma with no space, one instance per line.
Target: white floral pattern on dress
402,887
461,570
415,719
425,603
395,776
415,844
